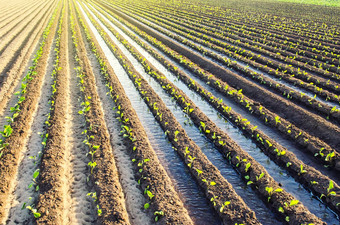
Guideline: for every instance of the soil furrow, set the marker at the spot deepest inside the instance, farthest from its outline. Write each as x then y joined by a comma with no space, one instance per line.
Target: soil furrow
104,174
313,144
19,32
20,19
271,148
328,111
51,203
158,111
169,119
247,42
11,154
19,68
9,59
22,194
295,114
165,200
226,170
10,13
133,195
236,46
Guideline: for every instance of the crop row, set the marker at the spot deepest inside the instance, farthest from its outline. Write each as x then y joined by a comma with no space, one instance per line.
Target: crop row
104,177
162,202
315,146
315,181
187,106
48,179
217,189
310,177
15,133
281,89
246,42
283,107
297,45
258,23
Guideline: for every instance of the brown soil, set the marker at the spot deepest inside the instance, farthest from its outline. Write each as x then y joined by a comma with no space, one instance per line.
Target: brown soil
105,175
12,153
15,70
313,105
198,116
8,27
313,145
166,198
15,48
237,211
306,179
51,197
287,110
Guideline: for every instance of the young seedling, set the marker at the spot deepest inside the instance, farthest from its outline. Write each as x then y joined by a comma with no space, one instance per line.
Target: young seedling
34,211
176,133
158,214
330,187
99,211
146,205
302,171
224,205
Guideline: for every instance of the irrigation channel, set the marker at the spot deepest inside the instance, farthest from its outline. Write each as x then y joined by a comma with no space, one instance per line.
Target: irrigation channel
112,114
243,64
287,182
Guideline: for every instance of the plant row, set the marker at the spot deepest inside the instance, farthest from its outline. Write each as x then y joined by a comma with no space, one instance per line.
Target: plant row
260,24
279,52
220,193
17,130
103,175
229,23
289,110
161,200
209,129
308,176
316,147
48,179
282,89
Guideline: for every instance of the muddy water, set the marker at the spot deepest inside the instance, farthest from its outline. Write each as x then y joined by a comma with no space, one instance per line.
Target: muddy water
276,172
253,69
272,133
192,197
214,156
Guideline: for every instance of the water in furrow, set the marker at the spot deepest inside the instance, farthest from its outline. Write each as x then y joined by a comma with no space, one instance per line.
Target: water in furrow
275,171
208,149
192,197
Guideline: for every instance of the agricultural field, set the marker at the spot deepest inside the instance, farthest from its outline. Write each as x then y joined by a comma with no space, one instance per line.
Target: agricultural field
169,112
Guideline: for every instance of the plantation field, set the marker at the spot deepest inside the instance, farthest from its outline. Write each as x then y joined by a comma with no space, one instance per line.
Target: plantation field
169,112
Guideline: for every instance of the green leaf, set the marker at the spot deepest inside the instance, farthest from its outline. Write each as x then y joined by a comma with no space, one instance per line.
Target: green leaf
212,183
36,174
281,210
330,186
149,193
37,215
294,202
332,193
146,205
279,190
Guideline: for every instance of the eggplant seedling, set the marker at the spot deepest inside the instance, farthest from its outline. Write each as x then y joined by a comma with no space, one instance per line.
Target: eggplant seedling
158,214
34,211
330,187
302,171
224,205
